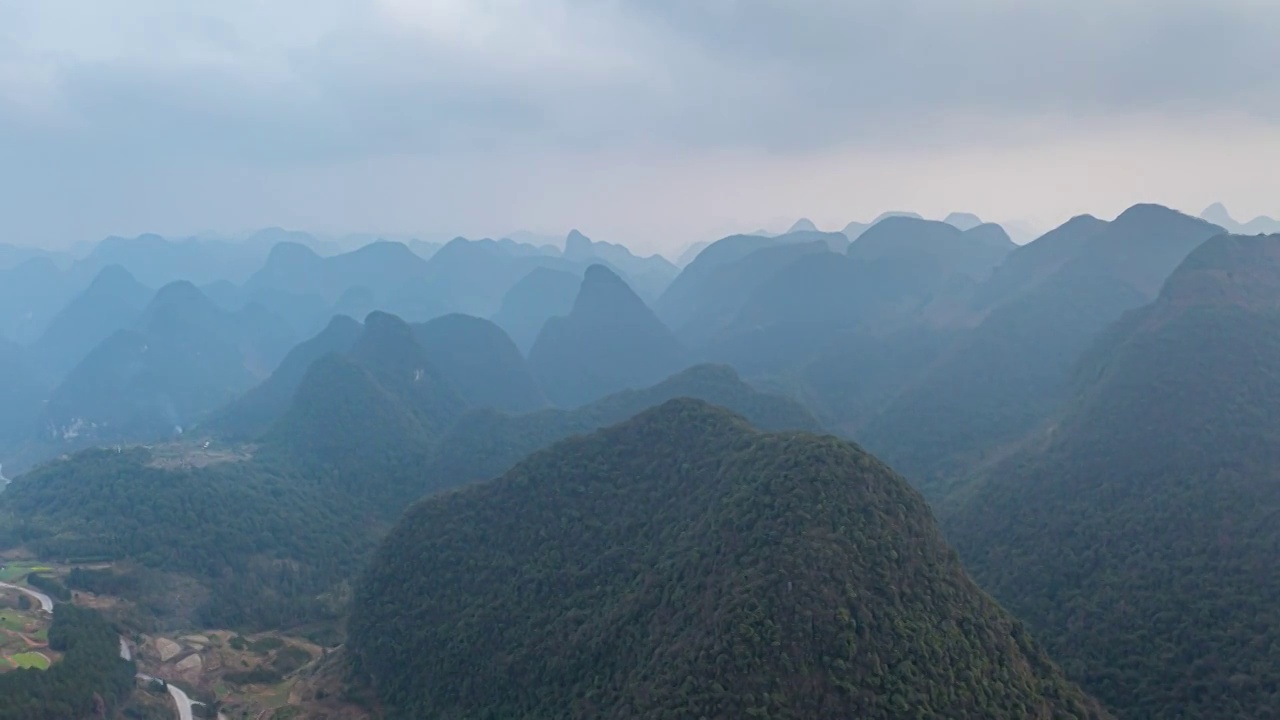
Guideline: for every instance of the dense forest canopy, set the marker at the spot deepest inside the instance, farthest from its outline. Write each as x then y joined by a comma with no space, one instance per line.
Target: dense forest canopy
1139,539
91,679
732,574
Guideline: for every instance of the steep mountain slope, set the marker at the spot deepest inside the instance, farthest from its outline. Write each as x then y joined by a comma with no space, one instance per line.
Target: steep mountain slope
856,375
23,390
30,295
609,341
290,267
1138,538
683,297
484,445
690,253
367,420
303,285
732,574
185,358
472,276
648,276
481,362
1032,263
113,301
1006,375
887,276
909,247
536,298
727,287
253,413
888,281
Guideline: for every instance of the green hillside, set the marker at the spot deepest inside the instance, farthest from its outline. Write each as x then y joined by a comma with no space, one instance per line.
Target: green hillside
732,574
1138,538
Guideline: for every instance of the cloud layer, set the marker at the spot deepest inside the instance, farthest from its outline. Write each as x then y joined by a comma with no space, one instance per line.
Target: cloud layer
331,89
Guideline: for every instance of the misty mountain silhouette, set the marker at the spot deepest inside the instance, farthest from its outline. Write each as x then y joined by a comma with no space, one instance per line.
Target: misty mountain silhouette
609,341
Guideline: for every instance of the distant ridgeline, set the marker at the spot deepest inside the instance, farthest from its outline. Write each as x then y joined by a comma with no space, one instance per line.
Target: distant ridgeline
91,679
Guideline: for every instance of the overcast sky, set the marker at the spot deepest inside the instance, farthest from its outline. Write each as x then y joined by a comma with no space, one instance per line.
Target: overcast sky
651,122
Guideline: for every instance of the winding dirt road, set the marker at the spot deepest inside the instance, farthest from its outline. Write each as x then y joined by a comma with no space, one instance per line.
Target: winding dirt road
46,602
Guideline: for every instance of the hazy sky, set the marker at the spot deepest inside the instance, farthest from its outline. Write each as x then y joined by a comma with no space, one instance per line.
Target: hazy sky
652,122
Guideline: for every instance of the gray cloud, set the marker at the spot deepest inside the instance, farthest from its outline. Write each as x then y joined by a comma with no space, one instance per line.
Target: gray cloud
399,75
119,86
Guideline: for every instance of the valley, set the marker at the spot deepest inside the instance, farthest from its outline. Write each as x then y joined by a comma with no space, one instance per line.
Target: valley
201,673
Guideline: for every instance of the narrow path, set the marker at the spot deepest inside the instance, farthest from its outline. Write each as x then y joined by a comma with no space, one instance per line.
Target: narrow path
24,638
46,602
180,698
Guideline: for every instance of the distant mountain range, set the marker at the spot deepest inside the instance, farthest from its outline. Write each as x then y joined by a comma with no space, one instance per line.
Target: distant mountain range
1261,225
560,479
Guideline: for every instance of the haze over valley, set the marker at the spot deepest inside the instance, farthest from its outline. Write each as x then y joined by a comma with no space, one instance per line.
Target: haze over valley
904,362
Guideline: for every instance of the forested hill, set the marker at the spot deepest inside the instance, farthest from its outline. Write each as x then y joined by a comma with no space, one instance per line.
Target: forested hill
267,542
682,564
1139,539
365,420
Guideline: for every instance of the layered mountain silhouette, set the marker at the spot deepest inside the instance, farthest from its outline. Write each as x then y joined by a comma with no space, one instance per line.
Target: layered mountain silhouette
537,297
156,261
803,225
963,220
31,294
472,276
112,302
253,413
1032,263
1261,225
888,280
480,361
370,415
297,270
698,281
732,574
183,358
648,276
1007,374
714,303
689,253
486,444
609,341
14,255
1138,535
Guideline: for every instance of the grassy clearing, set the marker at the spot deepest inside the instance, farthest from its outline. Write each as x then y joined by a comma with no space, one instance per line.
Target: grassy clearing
13,621
31,660
14,571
